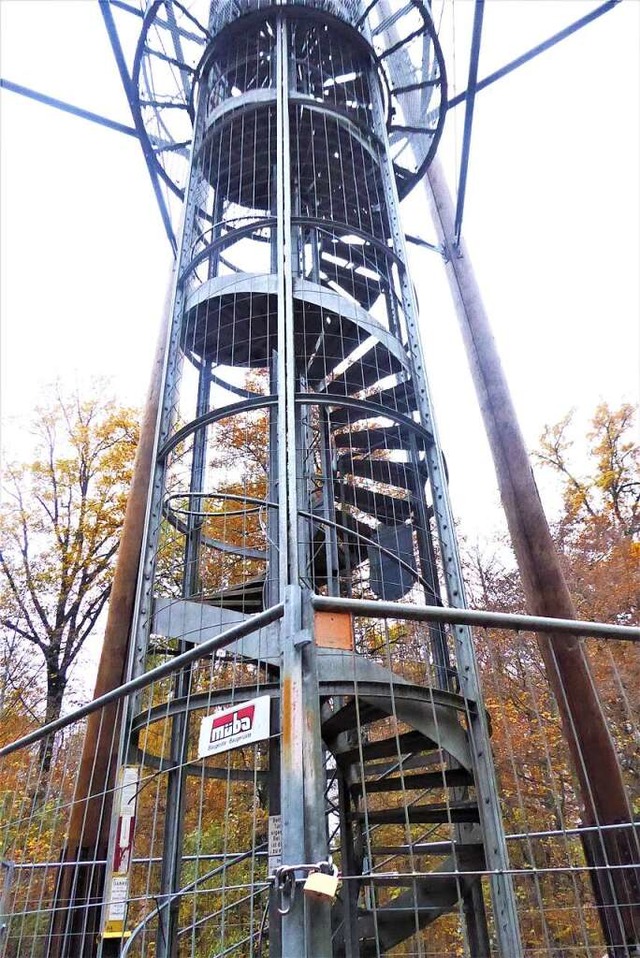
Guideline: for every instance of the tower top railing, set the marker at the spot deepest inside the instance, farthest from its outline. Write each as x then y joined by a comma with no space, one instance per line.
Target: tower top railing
347,10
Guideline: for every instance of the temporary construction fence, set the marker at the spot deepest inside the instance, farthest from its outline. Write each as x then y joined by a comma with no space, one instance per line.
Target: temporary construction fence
407,859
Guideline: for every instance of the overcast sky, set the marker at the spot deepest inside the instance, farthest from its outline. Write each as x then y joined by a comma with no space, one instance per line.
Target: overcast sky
552,223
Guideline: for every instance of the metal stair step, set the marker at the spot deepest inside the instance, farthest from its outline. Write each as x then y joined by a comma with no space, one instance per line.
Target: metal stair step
335,345
449,778
374,365
425,760
392,437
437,813
364,289
246,597
425,900
400,398
405,744
408,881
388,508
366,255
471,851
401,475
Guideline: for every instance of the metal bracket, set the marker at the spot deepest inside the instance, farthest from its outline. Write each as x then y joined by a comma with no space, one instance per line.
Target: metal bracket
302,638
435,247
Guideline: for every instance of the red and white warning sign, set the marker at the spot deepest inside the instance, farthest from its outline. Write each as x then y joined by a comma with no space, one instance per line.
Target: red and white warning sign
234,726
118,887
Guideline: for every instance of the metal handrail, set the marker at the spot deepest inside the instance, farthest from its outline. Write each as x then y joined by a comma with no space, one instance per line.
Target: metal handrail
373,608
251,624
496,620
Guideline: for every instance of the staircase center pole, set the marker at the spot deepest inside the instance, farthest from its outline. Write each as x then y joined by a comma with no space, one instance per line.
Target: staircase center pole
306,929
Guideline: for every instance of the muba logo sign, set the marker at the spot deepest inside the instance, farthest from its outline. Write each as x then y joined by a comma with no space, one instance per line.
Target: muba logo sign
225,725
234,726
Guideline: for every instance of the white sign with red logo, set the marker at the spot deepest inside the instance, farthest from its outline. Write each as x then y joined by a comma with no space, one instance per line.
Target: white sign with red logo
235,726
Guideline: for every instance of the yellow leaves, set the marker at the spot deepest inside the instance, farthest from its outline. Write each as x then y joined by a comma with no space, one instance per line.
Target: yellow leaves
611,488
59,526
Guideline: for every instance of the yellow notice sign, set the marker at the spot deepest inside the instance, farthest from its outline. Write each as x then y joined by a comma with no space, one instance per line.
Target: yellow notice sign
118,894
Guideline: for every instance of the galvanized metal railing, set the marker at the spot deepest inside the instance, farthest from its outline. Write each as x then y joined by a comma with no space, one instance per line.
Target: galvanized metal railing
553,854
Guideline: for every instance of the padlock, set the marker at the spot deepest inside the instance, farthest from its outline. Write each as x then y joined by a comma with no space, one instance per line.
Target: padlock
321,887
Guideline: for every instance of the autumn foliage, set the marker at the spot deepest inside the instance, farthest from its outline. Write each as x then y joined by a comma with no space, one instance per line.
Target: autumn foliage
59,535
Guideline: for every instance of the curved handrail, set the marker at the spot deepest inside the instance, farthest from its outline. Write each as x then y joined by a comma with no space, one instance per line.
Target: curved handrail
255,223
183,891
345,11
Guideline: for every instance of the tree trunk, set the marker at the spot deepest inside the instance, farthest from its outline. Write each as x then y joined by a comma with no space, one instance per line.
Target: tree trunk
56,686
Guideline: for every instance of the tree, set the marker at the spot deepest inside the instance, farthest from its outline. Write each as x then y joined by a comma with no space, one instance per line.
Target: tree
596,534
598,539
59,533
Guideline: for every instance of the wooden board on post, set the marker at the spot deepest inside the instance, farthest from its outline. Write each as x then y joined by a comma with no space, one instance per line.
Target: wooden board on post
333,630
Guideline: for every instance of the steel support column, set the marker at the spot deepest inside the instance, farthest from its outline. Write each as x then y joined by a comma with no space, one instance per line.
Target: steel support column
141,617
503,895
291,636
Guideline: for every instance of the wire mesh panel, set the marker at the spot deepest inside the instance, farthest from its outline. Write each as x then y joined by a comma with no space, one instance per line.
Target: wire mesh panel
174,36
564,871
400,806
40,810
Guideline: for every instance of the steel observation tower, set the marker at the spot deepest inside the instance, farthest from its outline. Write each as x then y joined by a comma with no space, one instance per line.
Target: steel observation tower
309,771
298,460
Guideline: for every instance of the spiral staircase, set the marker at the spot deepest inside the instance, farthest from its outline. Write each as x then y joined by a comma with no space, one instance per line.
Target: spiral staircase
400,796
397,752
401,816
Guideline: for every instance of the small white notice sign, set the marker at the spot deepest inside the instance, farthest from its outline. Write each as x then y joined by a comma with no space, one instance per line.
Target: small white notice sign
235,726
129,790
275,842
118,898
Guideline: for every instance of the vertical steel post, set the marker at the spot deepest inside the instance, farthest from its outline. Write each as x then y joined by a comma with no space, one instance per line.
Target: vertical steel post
305,930
176,777
497,857
135,653
291,696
